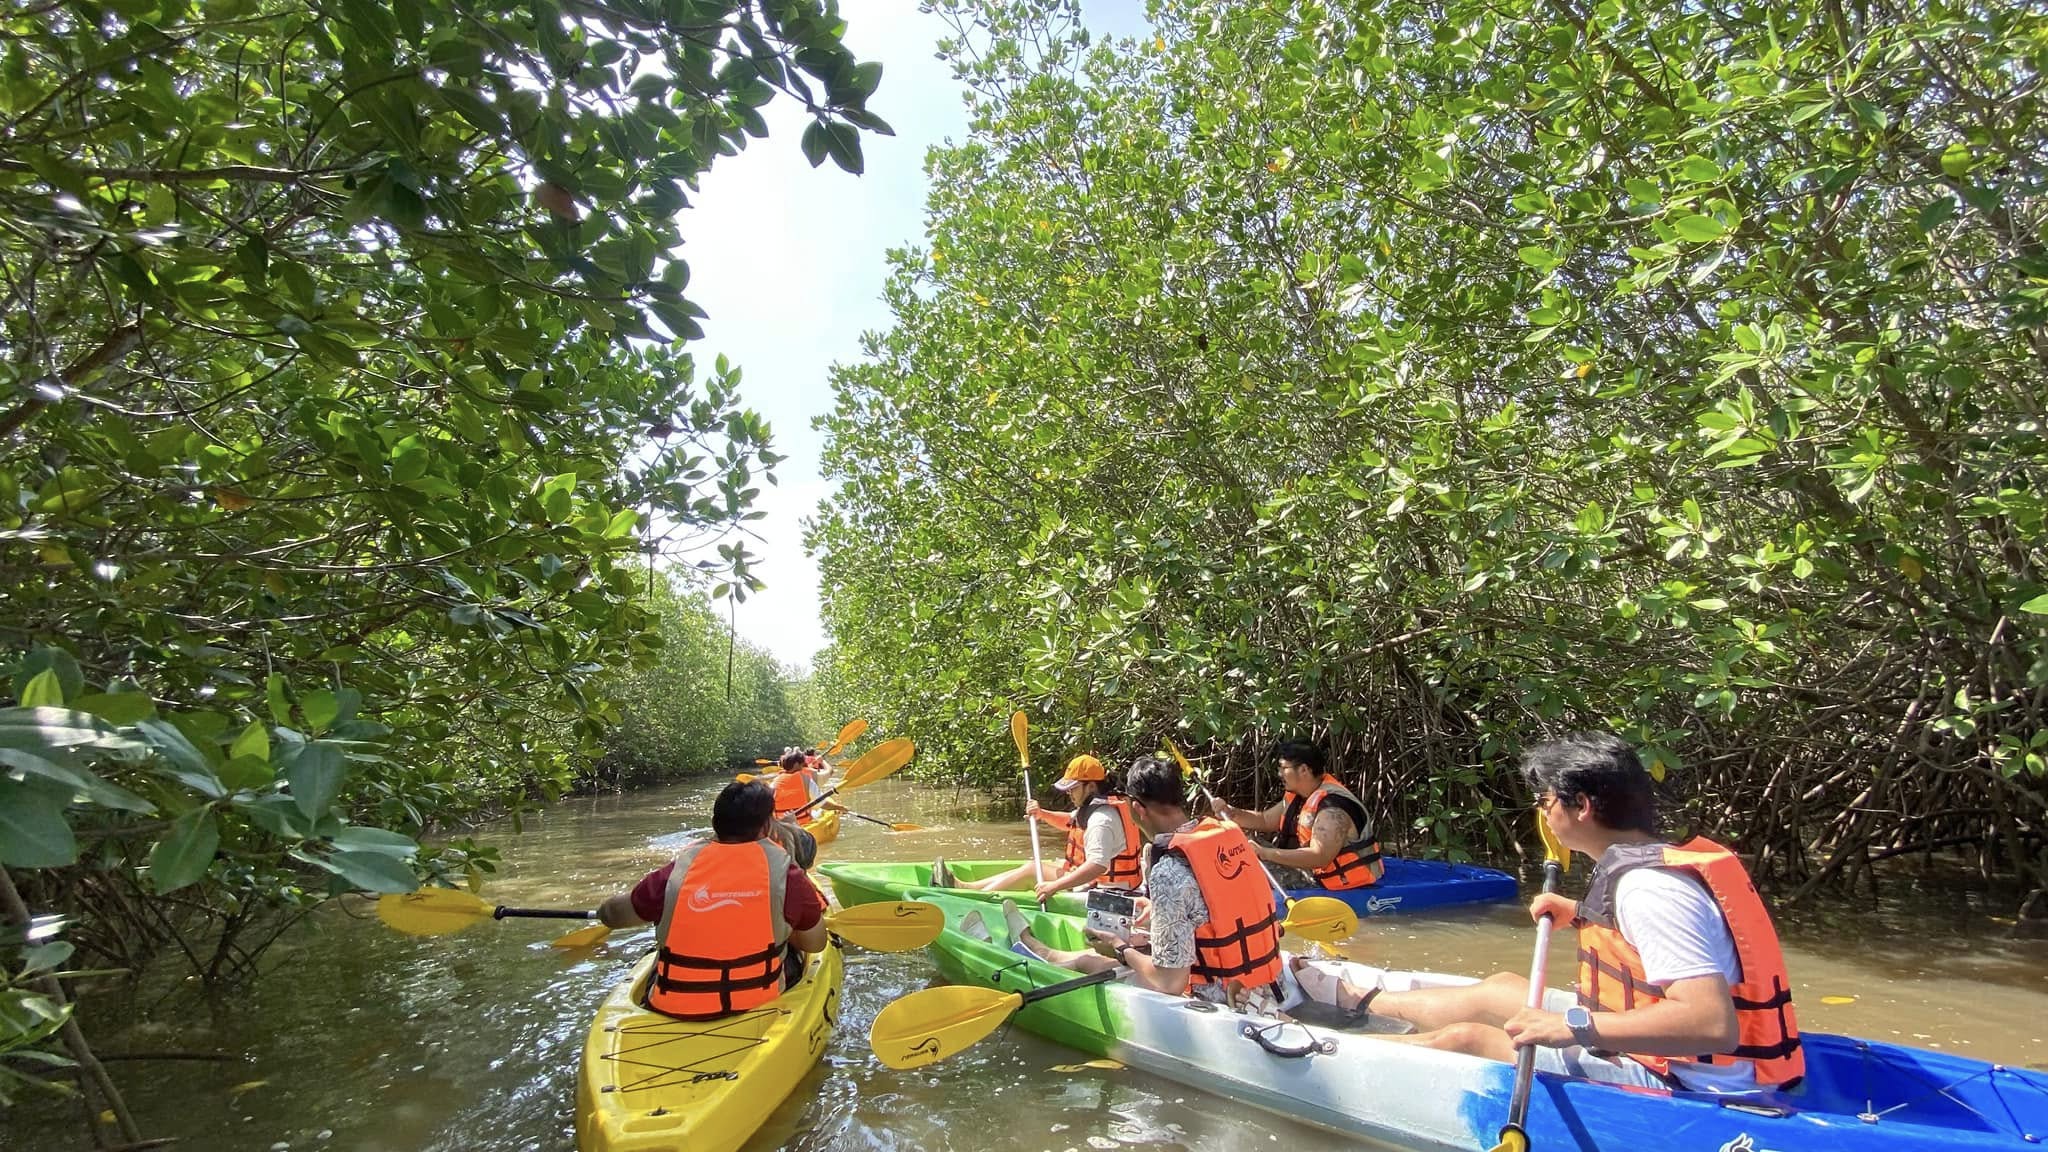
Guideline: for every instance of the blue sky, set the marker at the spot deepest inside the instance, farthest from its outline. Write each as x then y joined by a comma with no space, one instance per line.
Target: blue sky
788,260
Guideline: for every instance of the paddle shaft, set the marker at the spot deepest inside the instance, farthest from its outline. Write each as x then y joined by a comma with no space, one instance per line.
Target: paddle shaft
1051,990
871,820
501,912
1539,971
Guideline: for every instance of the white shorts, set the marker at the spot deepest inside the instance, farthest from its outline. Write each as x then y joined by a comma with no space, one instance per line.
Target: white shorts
1577,1061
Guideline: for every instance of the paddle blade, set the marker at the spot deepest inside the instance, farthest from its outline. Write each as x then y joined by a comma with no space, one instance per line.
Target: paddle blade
1186,769
906,828
1552,850
847,735
1020,732
583,937
893,927
764,763
1323,919
880,761
432,911
926,1027
746,778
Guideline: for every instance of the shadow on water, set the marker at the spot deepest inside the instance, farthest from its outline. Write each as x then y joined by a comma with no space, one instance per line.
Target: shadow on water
363,1040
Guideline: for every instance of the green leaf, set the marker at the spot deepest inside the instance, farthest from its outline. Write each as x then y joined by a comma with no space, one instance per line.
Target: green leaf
315,776
358,838
43,691
117,707
275,689
1700,170
254,741
47,659
187,764
320,708
1539,258
2038,605
374,871
842,142
1710,604
81,782
1956,160
1700,229
185,852
33,831
40,729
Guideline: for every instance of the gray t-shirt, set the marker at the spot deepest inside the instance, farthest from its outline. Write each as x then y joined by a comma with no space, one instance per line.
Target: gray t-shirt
1103,839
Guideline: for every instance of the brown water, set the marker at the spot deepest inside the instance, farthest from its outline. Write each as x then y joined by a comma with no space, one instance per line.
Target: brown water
367,1041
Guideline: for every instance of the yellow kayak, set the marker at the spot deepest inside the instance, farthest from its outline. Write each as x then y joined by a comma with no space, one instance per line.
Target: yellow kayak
825,828
654,1084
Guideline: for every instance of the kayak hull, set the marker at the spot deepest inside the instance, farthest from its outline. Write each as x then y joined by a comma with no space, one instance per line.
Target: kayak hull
1409,886
649,1083
825,829
1860,1096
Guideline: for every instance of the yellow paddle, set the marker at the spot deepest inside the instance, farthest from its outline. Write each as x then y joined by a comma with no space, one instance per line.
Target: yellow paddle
1318,919
1512,1136
1020,732
901,926
885,927
925,1027
437,911
847,735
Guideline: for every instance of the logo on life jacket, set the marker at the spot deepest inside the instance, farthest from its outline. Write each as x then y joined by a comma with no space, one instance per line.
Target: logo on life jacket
706,900
1230,862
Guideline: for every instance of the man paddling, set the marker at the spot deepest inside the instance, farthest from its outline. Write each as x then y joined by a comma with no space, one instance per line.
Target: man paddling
796,785
1681,981
1320,827
1215,921
736,915
1104,846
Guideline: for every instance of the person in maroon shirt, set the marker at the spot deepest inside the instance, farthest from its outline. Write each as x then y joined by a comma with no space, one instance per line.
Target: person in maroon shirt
749,811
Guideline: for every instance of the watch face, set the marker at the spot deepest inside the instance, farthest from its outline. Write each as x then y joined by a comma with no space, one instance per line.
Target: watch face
1578,1017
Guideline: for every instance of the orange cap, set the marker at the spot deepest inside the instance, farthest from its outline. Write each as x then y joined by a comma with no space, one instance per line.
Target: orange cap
1082,767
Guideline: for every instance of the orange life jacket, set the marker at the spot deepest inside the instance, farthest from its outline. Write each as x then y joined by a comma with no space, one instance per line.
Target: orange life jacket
722,934
793,791
1355,865
1124,870
1240,943
1611,976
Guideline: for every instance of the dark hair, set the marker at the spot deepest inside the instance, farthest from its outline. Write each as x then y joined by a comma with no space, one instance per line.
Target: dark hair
791,760
1301,752
1156,781
1600,767
741,811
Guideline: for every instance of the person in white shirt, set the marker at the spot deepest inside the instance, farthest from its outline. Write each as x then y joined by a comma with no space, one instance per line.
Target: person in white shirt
1681,980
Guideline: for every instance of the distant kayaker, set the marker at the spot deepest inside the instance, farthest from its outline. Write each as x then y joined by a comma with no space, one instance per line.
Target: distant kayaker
1104,845
1215,918
796,785
1677,956
1320,828
736,915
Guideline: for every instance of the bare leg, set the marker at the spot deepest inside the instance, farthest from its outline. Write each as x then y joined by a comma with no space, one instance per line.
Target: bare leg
1471,1039
1086,962
1490,1002
1016,879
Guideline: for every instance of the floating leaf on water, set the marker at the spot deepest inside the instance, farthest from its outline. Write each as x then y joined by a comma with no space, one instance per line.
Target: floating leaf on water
1838,999
246,1086
1106,1065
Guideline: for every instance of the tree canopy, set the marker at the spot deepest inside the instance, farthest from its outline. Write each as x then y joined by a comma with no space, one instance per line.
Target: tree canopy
1429,376
344,419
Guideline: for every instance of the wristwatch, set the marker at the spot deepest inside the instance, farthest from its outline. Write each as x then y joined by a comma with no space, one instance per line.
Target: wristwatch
1580,1021
1120,950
